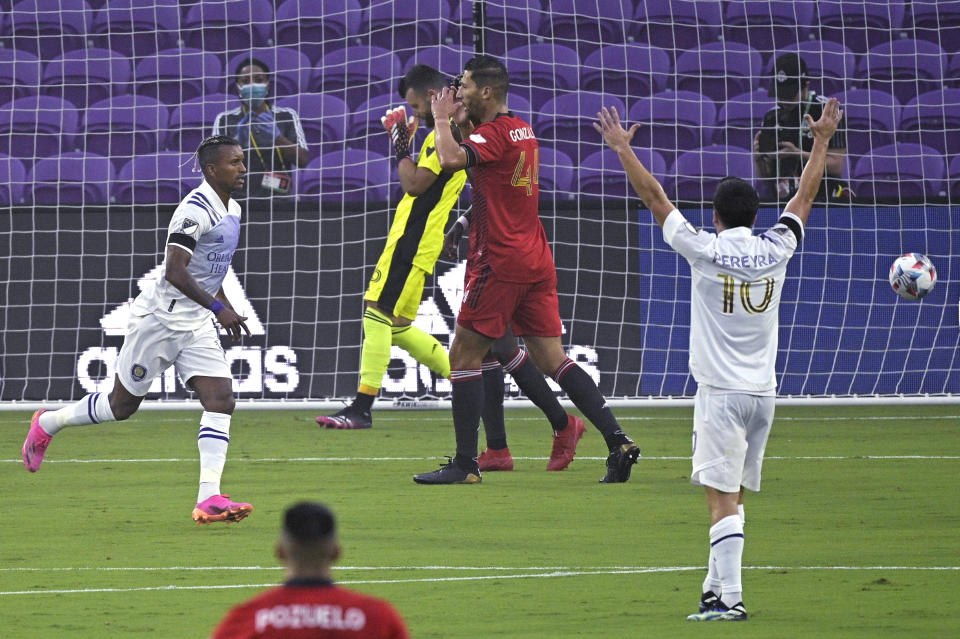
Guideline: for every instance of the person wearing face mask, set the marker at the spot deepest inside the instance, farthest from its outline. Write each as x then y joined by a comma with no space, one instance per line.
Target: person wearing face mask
783,144
272,136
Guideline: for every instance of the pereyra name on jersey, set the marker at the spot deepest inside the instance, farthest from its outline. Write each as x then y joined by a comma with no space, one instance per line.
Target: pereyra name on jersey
208,230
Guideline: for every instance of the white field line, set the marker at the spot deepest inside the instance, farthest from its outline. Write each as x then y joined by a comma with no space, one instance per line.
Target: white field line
235,460
544,573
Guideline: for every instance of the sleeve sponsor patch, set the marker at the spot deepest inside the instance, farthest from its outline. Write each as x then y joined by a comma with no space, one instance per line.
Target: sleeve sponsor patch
690,227
479,139
189,227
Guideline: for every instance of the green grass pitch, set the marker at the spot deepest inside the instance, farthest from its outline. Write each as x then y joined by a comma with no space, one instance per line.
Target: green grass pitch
856,532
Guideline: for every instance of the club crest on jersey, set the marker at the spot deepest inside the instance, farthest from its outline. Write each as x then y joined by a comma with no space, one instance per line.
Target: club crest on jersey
189,227
138,372
479,139
376,276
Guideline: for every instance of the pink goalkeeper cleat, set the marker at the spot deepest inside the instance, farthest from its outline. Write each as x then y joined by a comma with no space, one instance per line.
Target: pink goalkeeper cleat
35,446
220,508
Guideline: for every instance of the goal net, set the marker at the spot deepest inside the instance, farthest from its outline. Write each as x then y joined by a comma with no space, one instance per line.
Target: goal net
104,103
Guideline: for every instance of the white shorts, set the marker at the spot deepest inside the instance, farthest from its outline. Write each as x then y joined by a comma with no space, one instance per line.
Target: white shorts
150,348
730,431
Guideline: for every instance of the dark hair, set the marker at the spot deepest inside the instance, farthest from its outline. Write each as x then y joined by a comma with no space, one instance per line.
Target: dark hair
736,202
209,149
487,71
420,78
309,523
247,62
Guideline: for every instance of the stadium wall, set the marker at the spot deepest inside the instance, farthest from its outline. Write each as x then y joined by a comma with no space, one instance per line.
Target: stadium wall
301,273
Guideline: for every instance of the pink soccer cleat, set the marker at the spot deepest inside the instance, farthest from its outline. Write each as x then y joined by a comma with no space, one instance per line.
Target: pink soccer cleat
565,443
220,508
35,446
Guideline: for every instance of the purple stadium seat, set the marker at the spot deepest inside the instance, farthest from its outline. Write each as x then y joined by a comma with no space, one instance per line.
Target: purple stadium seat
602,173
626,70
365,129
405,27
740,118
511,24
174,76
694,176
318,27
952,77
228,25
588,24
933,119
539,71
137,28
324,118
769,26
860,25
719,70
49,29
152,179
86,76
72,178
677,25
937,21
19,74
556,174
13,178
520,107
448,58
673,122
291,72
193,120
126,126
351,175
831,65
566,122
954,173
899,172
870,119
358,73
37,126
905,68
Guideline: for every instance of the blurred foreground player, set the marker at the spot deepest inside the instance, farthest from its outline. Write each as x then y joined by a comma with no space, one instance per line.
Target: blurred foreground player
737,278
173,323
309,605
511,280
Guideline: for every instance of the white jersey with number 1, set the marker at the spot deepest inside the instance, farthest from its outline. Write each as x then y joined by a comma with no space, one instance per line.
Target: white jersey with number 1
737,278
209,231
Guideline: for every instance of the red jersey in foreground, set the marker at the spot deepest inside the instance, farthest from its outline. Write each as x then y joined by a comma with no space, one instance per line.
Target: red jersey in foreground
505,229
314,609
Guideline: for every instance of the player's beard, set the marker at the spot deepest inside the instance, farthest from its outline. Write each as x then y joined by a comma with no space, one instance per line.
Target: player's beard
427,119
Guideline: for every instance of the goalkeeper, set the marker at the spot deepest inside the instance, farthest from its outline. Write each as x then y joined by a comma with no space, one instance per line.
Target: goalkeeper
414,243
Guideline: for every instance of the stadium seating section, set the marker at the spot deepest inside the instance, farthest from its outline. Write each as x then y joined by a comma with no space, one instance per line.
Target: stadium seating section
103,101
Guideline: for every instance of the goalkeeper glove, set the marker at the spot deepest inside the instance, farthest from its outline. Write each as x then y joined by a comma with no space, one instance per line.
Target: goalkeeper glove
400,129
451,240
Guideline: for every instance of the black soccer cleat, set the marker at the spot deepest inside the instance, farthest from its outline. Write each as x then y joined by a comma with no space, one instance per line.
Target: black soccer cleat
450,473
347,419
708,601
620,463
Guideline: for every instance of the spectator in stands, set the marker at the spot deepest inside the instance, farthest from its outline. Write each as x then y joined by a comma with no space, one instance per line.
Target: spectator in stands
309,604
271,136
782,145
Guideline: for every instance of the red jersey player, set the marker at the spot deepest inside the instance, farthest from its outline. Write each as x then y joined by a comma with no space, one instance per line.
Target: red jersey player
308,605
511,279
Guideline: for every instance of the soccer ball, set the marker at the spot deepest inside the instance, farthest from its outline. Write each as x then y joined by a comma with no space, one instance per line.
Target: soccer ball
912,276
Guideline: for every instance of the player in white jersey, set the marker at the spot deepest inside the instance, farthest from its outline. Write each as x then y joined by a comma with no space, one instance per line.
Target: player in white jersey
173,323
737,278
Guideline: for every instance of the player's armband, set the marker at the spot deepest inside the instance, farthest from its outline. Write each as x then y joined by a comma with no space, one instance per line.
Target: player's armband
182,240
793,223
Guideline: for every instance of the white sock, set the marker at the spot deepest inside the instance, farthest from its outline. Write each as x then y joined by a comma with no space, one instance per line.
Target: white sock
726,546
712,582
92,409
743,518
212,440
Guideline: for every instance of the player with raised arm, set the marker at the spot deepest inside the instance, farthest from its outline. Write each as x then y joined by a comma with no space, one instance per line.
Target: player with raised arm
511,279
737,278
174,323
413,246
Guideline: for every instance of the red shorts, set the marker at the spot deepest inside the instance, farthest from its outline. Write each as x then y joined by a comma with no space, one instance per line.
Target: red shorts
490,305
